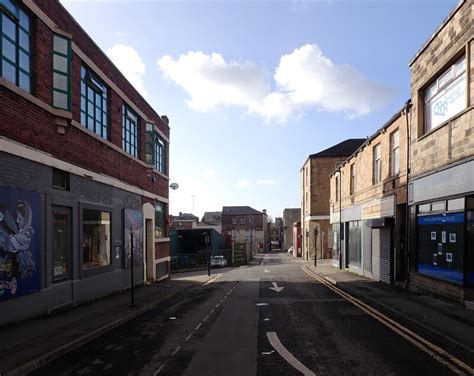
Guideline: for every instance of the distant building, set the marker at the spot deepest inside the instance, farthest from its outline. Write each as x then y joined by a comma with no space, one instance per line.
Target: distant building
276,233
183,221
212,219
244,224
290,217
315,175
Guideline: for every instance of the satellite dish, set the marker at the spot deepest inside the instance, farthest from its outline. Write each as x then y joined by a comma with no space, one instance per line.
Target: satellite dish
174,186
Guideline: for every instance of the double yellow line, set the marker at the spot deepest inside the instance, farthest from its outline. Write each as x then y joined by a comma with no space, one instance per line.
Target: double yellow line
453,363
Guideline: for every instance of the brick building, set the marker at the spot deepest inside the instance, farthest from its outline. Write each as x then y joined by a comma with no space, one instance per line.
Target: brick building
290,217
183,221
314,180
369,189
83,164
244,224
441,184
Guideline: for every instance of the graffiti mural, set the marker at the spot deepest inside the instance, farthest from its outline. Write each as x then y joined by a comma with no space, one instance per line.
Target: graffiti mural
133,220
20,234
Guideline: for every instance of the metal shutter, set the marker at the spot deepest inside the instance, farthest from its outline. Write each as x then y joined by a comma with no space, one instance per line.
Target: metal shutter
381,254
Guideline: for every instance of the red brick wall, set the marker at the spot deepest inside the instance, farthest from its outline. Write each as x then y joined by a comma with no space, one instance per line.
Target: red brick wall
161,250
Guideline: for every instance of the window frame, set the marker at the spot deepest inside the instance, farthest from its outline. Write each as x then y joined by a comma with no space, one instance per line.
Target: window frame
435,81
155,149
87,272
133,120
377,164
394,151
163,219
15,17
90,81
68,57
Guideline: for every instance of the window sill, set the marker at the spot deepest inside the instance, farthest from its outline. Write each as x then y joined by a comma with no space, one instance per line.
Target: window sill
442,125
162,240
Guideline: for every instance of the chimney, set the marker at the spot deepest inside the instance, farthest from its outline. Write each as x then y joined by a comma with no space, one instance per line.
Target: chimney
165,119
264,211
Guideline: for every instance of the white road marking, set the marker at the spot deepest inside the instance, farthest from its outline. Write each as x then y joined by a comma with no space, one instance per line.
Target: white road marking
266,320
188,337
158,370
278,346
197,327
261,304
275,287
205,318
268,352
175,351
212,311
267,271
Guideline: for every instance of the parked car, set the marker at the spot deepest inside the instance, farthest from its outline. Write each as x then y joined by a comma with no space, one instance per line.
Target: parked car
218,261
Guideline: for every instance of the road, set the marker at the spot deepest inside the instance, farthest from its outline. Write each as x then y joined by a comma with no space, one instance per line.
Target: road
271,319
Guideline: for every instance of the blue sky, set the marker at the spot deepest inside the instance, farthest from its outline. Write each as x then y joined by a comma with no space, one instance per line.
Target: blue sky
253,87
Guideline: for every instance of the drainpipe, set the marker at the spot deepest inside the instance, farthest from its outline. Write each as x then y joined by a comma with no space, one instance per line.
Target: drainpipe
407,214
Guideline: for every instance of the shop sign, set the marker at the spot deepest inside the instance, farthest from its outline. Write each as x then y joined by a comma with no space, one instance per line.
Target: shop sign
379,208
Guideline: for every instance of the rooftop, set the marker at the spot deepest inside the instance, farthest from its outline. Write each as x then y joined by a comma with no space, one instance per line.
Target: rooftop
242,210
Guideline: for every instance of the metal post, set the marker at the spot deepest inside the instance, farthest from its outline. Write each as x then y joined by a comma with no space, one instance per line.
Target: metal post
209,266
132,289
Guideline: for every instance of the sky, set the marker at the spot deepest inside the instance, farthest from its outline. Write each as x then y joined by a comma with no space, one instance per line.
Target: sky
252,88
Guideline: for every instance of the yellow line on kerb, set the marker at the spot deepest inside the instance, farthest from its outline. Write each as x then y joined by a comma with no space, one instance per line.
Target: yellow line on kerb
434,351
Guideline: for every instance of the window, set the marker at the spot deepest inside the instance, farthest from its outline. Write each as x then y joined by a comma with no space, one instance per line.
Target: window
96,239
377,164
234,221
93,103
61,72
352,179
61,243
242,221
395,154
154,148
130,131
446,97
337,187
15,44
160,220
60,179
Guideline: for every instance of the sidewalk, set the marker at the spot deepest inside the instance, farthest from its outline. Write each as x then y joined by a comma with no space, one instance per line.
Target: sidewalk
26,345
449,322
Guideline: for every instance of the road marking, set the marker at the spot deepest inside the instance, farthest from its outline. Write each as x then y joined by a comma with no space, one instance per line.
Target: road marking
433,350
275,287
267,271
261,304
197,327
205,318
175,351
188,337
268,352
285,354
158,370
212,311
217,305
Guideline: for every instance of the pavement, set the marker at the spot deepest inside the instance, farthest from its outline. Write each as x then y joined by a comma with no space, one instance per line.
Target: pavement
30,344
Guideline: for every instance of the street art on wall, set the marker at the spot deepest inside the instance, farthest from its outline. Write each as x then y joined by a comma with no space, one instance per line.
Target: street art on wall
20,233
133,221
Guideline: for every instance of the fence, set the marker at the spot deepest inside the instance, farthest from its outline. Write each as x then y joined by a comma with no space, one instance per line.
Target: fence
198,261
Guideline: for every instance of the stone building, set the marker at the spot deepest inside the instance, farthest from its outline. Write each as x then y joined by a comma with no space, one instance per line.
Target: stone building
290,217
314,178
441,184
83,168
368,204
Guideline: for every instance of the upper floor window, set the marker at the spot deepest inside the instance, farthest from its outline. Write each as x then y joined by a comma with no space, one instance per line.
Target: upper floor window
154,148
352,179
234,221
15,44
337,188
377,164
395,152
242,221
61,72
160,219
446,97
130,131
93,103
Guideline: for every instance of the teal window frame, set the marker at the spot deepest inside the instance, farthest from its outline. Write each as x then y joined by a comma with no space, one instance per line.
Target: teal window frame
67,74
155,149
129,131
11,12
94,103
160,220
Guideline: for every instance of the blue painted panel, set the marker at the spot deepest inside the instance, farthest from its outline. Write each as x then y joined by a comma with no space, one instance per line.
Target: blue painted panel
442,273
20,242
440,219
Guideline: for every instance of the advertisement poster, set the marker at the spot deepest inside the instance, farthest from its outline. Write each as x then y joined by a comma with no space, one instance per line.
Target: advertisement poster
452,237
20,234
440,248
133,221
443,236
433,235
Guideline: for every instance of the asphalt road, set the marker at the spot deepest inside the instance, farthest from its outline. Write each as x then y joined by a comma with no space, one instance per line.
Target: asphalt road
245,324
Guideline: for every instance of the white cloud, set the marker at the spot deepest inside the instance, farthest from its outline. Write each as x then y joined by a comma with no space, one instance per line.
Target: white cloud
303,79
209,173
130,64
243,183
266,181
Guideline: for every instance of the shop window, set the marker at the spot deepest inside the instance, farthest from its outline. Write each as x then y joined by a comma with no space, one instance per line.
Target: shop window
355,243
93,103
61,72
446,96
441,246
377,168
456,204
60,179
395,153
61,246
438,206
425,208
15,40
160,220
96,238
